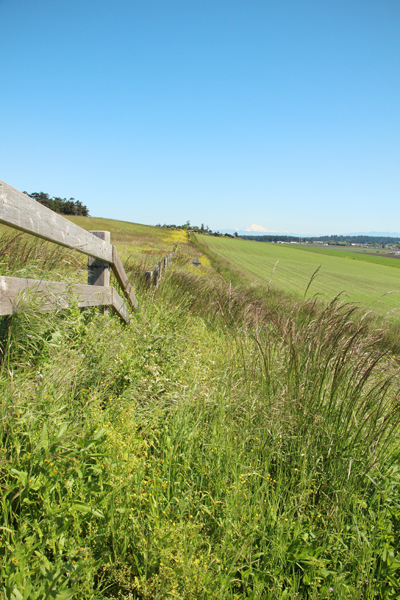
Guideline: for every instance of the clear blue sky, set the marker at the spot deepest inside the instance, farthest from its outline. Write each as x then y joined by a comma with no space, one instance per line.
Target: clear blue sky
285,114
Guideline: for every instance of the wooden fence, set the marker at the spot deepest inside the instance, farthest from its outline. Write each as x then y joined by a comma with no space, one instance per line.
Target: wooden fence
154,276
21,212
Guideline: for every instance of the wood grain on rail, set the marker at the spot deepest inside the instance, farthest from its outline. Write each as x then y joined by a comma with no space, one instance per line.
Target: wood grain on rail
15,291
22,212
122,278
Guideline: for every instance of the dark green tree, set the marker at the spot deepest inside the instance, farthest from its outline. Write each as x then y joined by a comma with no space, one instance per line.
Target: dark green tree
60,205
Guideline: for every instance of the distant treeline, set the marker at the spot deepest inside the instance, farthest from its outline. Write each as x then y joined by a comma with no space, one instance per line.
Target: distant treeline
327,239
187,226
61,205
196,229
272,238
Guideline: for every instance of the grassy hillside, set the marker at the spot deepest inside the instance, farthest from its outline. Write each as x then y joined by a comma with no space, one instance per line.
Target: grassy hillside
134,241
139,246
229,443
140,241
290,268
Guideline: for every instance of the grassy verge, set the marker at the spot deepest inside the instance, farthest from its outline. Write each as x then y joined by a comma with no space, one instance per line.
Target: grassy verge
228,443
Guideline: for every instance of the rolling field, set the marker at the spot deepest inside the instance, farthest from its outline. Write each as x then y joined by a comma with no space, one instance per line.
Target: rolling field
366,283
139,241
135,243
356,254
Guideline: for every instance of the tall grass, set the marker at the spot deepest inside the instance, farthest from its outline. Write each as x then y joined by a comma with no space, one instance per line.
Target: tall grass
22,255
229,443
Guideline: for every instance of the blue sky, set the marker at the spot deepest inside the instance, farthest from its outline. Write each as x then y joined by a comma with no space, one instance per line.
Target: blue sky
283,114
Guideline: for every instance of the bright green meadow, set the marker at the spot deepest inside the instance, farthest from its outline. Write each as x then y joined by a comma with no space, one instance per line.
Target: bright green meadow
233,441
378,257
372,282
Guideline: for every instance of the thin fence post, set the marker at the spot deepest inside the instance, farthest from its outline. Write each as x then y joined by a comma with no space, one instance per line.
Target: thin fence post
159,272
155,275
99,271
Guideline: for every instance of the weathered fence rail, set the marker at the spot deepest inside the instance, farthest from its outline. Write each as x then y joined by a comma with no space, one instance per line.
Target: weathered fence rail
14,291
21,212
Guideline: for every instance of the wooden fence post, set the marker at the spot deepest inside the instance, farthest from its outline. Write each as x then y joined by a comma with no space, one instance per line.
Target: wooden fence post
160,264
99,271
21,212
155,275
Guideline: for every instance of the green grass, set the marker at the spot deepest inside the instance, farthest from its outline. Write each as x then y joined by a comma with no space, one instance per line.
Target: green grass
229,443
137,243
367,284
133,240
356,254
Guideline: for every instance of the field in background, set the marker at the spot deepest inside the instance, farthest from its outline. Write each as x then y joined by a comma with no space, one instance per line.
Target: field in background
379,257
290,268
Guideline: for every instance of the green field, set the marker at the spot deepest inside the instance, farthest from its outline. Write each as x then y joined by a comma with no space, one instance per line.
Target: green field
143,242
226,444
139,244
356,254
364,281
